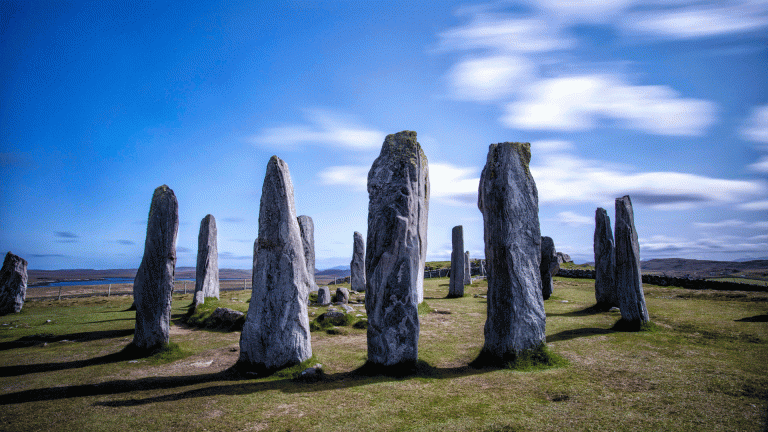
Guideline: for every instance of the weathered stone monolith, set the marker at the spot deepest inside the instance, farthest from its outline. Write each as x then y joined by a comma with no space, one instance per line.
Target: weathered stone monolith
323,296
548,267
207,271
342,295
563,258
307,228
629,282
467,269
276,329
398,189
509,202
13,284
456,281
153,285
357,266
605,261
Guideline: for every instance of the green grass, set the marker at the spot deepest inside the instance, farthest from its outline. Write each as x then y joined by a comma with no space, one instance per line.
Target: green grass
701,367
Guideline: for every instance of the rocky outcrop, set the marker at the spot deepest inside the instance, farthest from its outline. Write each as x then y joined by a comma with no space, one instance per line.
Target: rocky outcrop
207,271
357,266
508,199
605,261
629,282
456,280
153,285
13,284
398,189
563,258
276,330
307,228
548,267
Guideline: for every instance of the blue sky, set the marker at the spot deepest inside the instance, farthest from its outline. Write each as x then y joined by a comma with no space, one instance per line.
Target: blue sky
101,102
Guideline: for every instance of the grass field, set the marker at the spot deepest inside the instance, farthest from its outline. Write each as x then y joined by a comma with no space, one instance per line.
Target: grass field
703,368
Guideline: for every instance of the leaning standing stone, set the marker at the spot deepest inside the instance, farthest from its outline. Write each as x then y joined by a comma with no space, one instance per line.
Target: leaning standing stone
629,282
456,281
509,202
357,266
13,284
276,329
307,228
605,261
398,189
549,266
153,285
342,295
207,271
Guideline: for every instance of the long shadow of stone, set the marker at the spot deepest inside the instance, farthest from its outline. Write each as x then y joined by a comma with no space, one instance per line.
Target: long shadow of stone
582,332
40,339
591,310
110,320
756,318
362,376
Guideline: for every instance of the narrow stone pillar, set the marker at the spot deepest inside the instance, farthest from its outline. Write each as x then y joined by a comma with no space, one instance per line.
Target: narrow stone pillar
467,269
549,266
307,228
207,270
629,281
509,202
357,266
13,284
605,261
456,281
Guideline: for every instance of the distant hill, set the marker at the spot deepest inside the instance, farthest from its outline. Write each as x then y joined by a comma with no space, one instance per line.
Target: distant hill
702,268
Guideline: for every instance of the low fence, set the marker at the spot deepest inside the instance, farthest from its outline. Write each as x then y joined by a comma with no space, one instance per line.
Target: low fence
662,280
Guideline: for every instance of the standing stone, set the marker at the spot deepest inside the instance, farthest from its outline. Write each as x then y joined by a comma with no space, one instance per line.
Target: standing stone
276,329
467,269
357,266
509,202
342,295
253,266
629,282
549,266
563,258
605,261
207,271
153,285
398,189
13,284
456,281
307,228
323,296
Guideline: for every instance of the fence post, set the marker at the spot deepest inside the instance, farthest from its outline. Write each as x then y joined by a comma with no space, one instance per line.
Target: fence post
59,292
109,290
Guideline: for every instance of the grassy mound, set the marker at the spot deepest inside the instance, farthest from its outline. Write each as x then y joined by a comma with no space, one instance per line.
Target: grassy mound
201,316
538,358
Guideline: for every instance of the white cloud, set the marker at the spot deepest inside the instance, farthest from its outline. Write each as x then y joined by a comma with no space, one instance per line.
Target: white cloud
325,129
578,102
453,185
754,205
697,20
353,176
551,146
583,10
756,128
730,223
575,220
500,33
660,245
761,165
564,178
490,78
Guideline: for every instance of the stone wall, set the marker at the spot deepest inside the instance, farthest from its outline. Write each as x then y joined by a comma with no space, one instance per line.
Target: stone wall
661,280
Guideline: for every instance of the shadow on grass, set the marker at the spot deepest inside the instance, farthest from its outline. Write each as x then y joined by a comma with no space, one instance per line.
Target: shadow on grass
111,320
40,339
576,333
592,310
756,318
231,382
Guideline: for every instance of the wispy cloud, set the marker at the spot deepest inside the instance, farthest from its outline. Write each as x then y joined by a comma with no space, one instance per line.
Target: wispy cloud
182,249
353,176
233,220
324,128
577,103
732,223
697,20
125,242
564,178
754,205
756,127
573,219
66,234
674,246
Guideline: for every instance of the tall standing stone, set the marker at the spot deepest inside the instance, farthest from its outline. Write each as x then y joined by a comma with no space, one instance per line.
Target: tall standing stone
509,202
549,266
398,189
605,261
629,282
13,284
467,269
276,329
307,228
357,265
153,285
207,270
456,281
